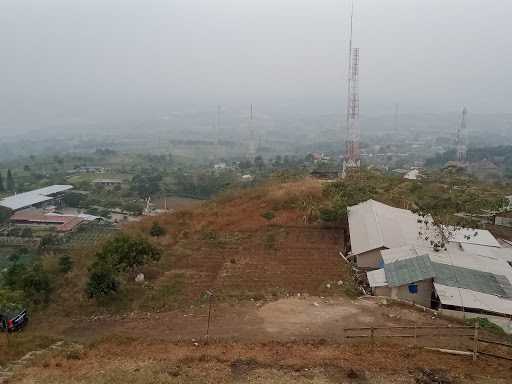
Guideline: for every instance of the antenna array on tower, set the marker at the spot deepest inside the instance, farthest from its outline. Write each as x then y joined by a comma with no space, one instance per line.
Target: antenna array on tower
352,153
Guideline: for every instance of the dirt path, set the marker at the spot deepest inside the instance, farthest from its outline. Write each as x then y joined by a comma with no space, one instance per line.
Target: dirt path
294,318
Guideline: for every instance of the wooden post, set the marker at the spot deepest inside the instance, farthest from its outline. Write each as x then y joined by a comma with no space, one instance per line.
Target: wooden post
372,335
210,299
475,341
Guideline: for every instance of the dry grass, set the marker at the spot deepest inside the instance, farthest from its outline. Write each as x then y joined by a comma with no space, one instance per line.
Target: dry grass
225,244
21,343
136,361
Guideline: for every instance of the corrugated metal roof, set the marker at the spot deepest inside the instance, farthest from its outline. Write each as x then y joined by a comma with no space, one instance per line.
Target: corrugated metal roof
473,236
27,199
376,225
495,263
460,297
471,279
409,271
51,189
23,200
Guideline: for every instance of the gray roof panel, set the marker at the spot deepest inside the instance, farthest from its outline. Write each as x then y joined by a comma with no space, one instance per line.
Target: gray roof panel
409,270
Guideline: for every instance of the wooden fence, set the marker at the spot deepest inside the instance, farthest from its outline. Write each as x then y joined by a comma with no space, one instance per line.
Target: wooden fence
415,332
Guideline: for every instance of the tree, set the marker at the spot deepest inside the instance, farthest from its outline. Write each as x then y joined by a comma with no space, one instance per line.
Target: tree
156,230
102,281
126,253
65,264
2,188
10,186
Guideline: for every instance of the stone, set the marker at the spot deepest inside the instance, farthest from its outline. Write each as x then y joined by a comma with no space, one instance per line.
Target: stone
139,278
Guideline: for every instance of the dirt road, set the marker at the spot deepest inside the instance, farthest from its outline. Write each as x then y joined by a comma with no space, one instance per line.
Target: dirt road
293,318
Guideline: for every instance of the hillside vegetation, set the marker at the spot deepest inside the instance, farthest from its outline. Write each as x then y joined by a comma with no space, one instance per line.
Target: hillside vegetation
281,237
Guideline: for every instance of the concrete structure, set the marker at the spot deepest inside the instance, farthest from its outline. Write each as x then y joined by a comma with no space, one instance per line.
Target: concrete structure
51,195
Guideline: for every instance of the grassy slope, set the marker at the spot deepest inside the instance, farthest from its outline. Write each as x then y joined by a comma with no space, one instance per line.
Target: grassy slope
227,245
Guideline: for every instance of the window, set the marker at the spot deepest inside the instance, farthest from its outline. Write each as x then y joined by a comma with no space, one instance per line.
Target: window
413,288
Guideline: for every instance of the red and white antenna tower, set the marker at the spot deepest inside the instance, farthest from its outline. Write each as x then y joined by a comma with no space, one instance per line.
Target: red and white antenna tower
352,158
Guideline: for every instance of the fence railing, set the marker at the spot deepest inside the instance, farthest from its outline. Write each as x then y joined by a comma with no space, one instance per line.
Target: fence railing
414,332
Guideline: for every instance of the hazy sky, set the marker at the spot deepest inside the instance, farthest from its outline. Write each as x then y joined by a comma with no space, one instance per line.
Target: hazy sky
87,59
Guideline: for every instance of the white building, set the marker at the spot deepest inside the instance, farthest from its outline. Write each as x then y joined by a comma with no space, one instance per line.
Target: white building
471,276
36,198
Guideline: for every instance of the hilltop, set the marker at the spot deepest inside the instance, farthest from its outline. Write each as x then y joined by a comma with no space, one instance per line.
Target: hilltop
283,297
257,243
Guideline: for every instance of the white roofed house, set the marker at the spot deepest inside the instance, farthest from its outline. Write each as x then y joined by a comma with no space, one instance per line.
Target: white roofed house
375,226
471,276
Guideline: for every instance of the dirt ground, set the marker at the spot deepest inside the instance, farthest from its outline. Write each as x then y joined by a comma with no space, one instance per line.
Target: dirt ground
284,298
137,361
288,319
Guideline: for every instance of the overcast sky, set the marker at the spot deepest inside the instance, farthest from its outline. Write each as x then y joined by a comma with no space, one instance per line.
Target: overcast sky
87,59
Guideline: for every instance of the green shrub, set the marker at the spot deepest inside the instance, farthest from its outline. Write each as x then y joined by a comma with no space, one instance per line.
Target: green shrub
65,264
156,230
269,215
102,282
328,214
123,253
487,325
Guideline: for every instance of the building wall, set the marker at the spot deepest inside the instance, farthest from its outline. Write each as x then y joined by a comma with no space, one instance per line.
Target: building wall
423,297
382,291
370,259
